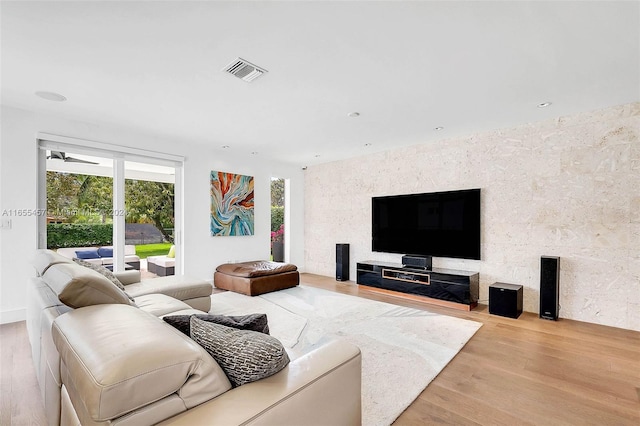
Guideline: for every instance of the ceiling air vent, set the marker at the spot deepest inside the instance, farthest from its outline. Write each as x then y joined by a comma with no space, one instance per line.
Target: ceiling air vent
244,70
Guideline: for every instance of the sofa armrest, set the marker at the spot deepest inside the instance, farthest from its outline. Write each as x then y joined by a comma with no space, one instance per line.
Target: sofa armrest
128,277
322,387
116,359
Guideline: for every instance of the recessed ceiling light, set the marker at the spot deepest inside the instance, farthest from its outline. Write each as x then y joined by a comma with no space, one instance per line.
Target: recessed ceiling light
225,146
51,96
544,104
438,128
354,114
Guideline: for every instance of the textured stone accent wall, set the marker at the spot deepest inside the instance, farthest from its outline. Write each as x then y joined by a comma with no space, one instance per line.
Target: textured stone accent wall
567,187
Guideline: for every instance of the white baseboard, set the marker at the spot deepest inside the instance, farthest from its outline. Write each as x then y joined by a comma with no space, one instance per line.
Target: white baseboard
14,315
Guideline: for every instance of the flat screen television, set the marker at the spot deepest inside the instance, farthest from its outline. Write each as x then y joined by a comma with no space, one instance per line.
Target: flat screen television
440,224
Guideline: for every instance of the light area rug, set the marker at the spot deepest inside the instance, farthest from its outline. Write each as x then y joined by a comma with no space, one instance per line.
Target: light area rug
403,349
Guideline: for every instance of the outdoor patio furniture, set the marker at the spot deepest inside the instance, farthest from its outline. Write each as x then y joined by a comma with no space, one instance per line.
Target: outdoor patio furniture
162,265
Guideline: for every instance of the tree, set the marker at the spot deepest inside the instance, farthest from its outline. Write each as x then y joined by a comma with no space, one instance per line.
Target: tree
277,204
62,190
277,217
145,201
96,196
277,192
151,202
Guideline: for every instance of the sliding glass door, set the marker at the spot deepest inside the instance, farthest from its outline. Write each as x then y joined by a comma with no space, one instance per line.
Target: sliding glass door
150,216
117,209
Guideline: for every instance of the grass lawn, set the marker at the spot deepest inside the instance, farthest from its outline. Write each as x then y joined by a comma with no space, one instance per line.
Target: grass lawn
152,250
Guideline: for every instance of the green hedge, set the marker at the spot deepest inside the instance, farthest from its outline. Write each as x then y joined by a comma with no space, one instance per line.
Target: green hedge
277,217
79,234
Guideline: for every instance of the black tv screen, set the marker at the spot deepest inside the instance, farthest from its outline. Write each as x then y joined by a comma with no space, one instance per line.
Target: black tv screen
440,224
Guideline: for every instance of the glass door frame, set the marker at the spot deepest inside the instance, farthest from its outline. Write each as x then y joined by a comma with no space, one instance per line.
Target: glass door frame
118,154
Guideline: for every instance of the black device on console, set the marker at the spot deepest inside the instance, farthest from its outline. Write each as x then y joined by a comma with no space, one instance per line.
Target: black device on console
416,261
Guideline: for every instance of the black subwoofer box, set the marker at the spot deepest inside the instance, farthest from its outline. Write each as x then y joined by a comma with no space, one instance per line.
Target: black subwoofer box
505,300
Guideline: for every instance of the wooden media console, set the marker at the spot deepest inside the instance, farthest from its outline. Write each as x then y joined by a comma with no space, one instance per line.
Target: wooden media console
443,287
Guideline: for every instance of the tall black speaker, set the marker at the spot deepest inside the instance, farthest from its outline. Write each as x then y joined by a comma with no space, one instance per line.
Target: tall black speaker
549,287
342,262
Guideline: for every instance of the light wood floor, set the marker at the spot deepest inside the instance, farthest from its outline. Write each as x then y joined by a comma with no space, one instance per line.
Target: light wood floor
20,401
512,372
527,371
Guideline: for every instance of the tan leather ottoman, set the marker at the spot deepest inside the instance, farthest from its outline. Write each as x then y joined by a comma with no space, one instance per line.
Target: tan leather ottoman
256,277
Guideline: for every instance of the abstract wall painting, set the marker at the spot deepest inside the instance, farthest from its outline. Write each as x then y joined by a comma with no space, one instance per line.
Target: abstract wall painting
231,204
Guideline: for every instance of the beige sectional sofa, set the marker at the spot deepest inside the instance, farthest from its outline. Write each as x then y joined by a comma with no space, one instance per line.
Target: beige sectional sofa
102,359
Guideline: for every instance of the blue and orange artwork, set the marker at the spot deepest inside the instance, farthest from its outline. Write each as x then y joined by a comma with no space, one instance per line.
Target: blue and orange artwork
231,204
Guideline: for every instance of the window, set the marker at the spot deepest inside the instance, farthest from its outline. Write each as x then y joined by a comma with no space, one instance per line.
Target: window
94,196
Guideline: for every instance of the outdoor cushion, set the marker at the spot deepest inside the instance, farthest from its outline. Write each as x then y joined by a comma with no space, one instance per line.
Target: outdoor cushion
87,254
105,251
164,261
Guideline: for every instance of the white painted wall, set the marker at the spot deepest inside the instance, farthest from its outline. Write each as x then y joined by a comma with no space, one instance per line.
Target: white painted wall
202,251
567,187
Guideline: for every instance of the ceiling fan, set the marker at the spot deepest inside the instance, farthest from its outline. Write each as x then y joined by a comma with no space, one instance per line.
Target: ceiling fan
59,155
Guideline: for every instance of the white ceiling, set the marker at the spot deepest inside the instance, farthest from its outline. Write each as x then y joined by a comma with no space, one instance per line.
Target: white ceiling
406,67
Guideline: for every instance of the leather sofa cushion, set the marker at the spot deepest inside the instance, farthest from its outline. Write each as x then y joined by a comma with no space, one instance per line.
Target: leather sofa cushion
102,271
128,277
322,387
257,268
187,312
45,258
118,358
159,304
181,287
77,286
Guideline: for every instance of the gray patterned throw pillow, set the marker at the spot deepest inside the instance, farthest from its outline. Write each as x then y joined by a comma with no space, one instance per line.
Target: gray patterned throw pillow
253,322
245,356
